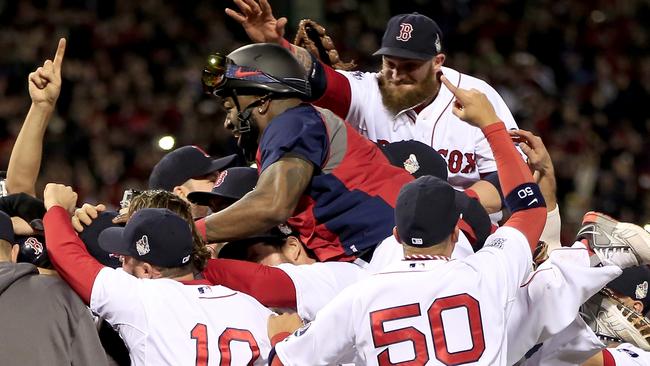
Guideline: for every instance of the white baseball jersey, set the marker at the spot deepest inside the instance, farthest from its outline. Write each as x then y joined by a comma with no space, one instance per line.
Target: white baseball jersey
164,322
317,284
629,355
465,148
549,300
426,311
390,251
571,347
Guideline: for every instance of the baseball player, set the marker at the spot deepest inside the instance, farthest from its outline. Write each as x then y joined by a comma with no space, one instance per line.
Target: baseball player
164,314
404,100
43,322
189,169
315,171
458,310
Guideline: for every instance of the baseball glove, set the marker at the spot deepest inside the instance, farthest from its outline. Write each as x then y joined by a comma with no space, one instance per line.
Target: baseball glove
312,37
612,321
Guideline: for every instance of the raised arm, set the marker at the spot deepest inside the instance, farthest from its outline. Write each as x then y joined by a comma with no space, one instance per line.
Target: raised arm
25,161
272,202
67,252
330,89
521,193
540,161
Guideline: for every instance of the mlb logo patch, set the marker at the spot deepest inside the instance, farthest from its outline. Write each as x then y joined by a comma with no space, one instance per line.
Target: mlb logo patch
416,241
204,290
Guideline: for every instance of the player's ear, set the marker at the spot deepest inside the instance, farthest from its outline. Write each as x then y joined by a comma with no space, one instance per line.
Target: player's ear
438,60
148,270
264,107
638,307
181,191
396,235
293,249
14,253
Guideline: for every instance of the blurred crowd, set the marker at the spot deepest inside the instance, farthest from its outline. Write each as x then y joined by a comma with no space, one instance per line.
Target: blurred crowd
575,72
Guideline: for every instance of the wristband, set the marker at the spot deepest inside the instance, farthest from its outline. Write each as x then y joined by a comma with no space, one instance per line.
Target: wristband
525,196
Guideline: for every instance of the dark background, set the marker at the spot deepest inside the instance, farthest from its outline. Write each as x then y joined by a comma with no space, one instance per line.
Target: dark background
575,72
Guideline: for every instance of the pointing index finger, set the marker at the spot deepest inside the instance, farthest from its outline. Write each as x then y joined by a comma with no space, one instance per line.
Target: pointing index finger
58,58
449,85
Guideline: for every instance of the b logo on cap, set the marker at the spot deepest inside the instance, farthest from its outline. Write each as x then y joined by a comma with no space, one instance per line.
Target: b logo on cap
36,245
405,30
221,178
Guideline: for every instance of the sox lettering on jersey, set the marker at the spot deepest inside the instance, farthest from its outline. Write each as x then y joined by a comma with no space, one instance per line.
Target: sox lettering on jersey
457,160
405,30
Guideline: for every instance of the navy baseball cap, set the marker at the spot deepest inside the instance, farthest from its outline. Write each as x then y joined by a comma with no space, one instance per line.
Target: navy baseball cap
6,228
426,211
417,158
22,205
90,237
185,163
153,235
232,183
32,249
411,36
634,283
237,249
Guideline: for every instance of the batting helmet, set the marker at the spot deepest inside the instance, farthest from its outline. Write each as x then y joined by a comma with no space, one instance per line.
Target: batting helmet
256,69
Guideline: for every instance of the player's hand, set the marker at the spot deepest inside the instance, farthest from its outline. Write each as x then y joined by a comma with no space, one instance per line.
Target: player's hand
85,215
287,322
45,82
471,106
59,195
258,21
21,227
538,157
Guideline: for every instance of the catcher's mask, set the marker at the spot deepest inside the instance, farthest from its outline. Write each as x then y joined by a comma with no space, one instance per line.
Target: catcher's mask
265,70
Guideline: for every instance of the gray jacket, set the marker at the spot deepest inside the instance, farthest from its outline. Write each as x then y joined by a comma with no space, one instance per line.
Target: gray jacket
43,322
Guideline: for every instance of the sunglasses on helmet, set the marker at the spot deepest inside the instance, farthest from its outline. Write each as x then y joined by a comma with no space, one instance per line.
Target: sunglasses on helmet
219,69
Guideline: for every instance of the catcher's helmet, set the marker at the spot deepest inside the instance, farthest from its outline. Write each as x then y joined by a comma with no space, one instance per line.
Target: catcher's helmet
256,69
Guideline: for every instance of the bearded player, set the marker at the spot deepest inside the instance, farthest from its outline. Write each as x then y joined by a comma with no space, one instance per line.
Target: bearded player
405,100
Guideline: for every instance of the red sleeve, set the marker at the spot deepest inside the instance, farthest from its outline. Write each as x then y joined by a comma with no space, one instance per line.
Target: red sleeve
69,254
608,359
338,94
201,228
269,285
513,172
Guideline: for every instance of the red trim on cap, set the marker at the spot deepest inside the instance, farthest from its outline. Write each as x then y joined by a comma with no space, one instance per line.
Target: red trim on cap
202,151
